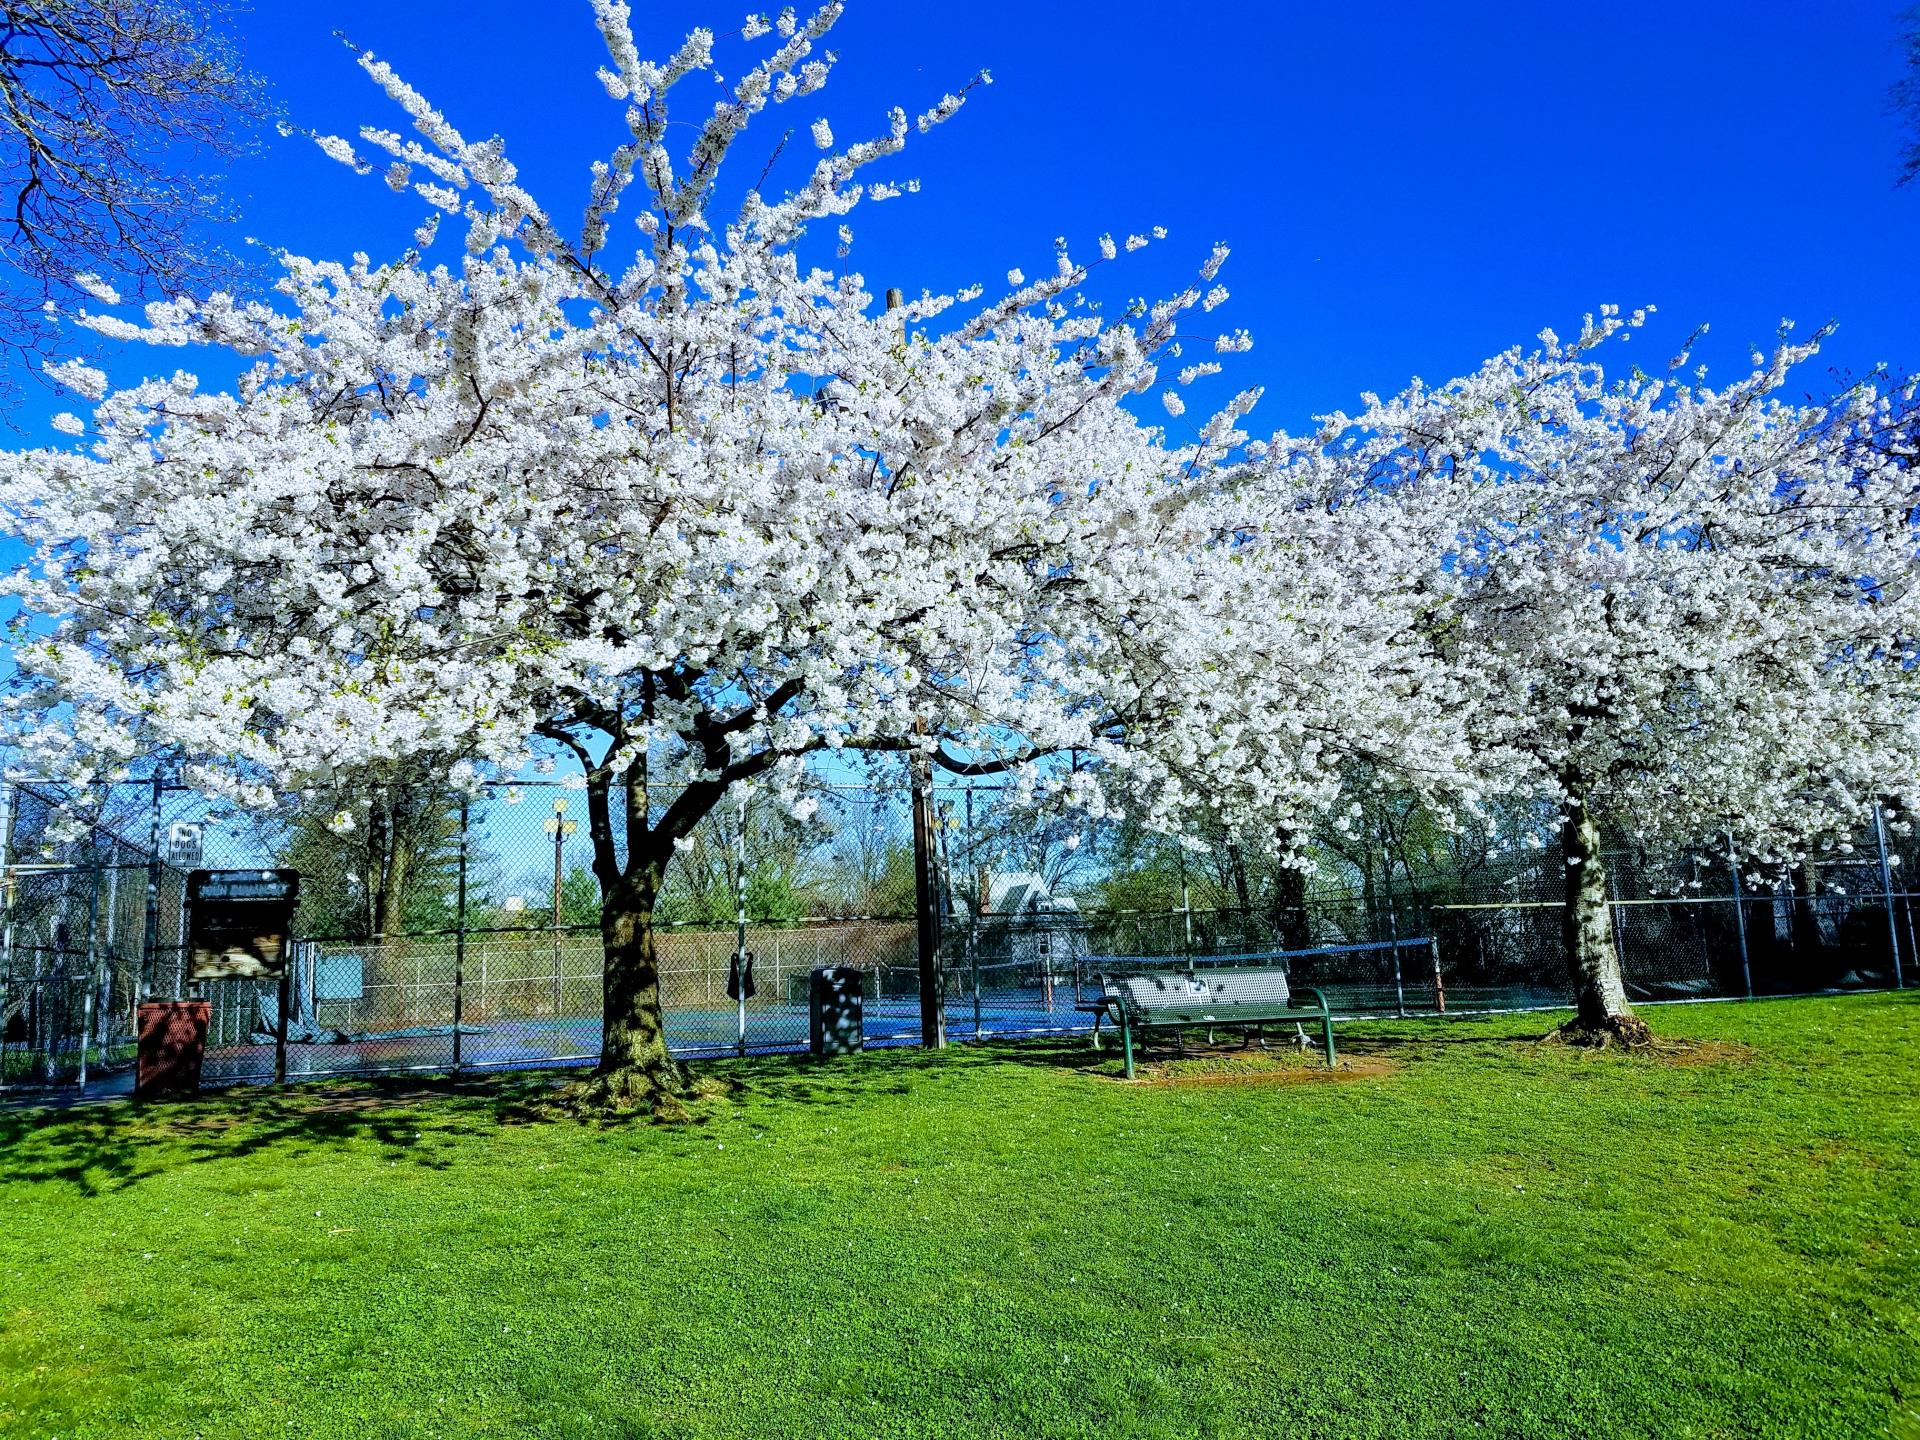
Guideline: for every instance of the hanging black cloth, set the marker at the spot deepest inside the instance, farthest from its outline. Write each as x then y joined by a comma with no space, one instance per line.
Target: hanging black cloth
740,975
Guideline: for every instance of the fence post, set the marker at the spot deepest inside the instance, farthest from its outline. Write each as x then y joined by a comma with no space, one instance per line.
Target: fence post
93,953
12,800
1393,935
1186,905
460,940
280,1030
109,954
973,913
1886,895
740,960
150,938
1739,916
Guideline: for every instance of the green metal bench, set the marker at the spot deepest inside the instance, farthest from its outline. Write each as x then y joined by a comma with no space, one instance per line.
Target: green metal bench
1181,1000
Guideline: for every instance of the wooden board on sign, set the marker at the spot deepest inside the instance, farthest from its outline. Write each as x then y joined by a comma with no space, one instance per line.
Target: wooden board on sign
237,922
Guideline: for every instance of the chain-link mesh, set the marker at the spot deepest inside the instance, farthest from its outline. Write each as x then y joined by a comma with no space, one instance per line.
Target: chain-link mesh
74,936
437,931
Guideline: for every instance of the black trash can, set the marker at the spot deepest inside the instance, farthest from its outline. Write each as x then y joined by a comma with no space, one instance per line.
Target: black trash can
833,1010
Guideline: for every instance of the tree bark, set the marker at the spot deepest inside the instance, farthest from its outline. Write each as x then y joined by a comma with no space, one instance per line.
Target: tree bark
1601,1012
395,875
1805,921
1290,902
635,1065
1242,898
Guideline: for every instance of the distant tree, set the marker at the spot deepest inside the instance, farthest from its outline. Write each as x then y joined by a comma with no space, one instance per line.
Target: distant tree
1148,869
870,863
376,859
1006,840
117,115
775,852
579,902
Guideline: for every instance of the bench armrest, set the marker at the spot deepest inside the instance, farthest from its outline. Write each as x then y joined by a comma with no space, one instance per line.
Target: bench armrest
1319,998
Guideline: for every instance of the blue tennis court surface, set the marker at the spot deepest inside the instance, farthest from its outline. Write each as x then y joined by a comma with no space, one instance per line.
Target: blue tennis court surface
774,1026
575,1039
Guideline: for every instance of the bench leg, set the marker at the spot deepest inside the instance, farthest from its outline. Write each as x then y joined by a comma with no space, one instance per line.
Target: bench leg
1326,1026
1126,1042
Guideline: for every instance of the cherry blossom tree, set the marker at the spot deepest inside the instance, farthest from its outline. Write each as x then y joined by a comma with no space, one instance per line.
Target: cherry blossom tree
1683,612
1317,665
683,511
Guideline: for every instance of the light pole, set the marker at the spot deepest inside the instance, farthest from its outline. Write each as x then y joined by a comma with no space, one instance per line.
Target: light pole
559,827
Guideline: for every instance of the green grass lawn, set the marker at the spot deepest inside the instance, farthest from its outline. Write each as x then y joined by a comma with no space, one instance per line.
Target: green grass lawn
1467,1234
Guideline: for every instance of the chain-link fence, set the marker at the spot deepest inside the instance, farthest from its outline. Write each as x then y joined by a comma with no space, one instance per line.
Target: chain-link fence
82,902
437,930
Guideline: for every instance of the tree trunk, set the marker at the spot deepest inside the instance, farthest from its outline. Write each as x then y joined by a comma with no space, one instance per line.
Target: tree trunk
635,1066
1290,901
1242,900
1601,1011
1808,942
395,875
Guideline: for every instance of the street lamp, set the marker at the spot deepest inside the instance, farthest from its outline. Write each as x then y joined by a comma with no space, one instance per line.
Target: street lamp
559,827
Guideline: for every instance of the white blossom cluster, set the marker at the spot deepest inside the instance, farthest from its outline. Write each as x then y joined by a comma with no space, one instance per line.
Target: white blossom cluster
712,507
708,505
1690,610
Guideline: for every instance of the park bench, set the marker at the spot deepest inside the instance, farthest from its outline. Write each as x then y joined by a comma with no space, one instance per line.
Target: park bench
1182,1000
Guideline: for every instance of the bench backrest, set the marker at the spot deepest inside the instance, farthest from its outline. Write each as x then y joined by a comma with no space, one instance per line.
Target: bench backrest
1174,994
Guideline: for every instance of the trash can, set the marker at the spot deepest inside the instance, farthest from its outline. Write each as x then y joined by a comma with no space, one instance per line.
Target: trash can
172,1044
833,1010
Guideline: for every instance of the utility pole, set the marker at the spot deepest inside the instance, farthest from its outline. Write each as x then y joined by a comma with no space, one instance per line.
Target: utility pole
933,999
1739,916
1186,904
560,828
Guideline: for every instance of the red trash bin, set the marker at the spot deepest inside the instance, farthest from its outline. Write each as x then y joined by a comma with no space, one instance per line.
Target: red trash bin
173,1042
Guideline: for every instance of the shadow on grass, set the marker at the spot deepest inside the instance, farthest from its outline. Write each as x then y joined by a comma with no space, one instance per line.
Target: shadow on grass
105,1147
99,1148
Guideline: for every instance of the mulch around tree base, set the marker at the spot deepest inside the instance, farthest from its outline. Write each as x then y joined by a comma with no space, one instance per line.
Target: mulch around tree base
1229,1065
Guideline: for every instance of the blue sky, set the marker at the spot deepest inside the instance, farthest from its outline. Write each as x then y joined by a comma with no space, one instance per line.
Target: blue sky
1407,188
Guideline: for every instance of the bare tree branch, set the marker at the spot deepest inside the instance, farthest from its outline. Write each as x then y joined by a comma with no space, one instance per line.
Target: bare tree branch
1906,94
115,118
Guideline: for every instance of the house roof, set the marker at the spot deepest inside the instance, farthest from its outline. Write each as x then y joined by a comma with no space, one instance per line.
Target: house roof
1025,893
